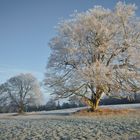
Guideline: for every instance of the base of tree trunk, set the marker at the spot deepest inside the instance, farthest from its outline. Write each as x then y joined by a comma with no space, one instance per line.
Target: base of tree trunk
92,110
21,111
94,105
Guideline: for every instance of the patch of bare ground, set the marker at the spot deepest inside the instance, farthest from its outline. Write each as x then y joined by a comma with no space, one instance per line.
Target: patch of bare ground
106,112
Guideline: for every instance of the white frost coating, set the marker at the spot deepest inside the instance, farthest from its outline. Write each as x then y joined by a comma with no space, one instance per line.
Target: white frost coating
96,52
19,91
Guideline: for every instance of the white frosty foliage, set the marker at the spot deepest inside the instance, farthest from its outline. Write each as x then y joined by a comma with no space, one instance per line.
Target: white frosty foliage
98,49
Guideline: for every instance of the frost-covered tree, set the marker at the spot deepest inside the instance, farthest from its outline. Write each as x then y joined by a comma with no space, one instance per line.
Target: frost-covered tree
96,53
19,91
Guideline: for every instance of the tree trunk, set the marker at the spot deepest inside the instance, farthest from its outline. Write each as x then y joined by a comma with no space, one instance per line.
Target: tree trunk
21,108
95,98
95,104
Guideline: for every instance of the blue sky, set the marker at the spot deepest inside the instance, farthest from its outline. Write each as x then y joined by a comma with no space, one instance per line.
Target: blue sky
26,26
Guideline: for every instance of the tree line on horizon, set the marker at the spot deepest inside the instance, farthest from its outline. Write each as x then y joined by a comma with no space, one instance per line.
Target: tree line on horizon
56,105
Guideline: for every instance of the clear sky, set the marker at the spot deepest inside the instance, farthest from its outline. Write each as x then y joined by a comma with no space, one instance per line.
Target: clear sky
26,26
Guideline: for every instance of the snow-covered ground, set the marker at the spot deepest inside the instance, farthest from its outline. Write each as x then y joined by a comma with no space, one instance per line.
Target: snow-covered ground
123,106
55,125
72,110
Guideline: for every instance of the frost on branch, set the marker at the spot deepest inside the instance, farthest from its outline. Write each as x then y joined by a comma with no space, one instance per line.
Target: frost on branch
96,53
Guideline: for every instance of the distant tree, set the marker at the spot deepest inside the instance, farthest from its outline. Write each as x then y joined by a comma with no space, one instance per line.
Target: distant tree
65,105
96,53
20,91
51,104
58,106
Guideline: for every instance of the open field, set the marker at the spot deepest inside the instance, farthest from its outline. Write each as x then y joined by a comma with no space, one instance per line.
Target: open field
45,126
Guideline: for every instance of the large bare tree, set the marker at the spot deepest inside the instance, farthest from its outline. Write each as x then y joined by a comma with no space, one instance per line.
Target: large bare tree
19,91
96,53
